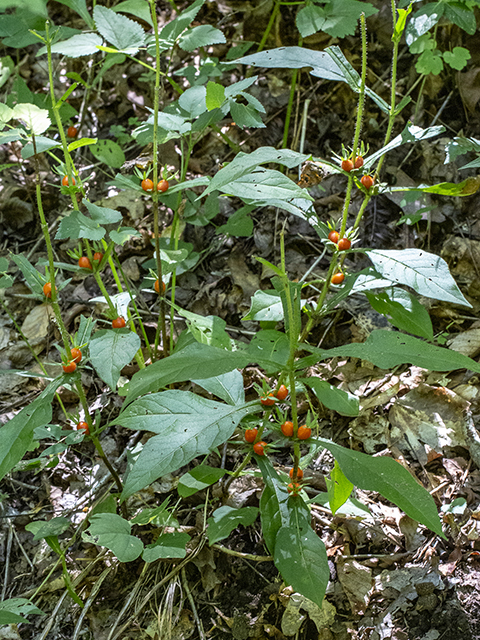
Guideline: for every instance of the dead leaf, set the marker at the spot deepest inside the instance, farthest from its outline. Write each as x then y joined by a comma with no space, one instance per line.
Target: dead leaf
356,581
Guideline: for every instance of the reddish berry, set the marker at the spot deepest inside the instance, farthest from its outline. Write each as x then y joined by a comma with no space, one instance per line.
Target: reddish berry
347,165
294,487
333,236
97,256
259,448
157,286
84,426
287,429
250,435
72,132
65,181
118,323
367,181
47,289
304,432
282,392
358,162
69,367
299,474
84,263
338,277
267,401
147,184
76,355
344,244
162,185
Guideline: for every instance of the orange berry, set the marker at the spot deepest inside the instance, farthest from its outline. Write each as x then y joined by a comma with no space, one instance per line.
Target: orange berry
76,355
147,184
157,286
47,289
65,181
367,181
287,429
72,132
267,401
84,263
84,426
69,367
118,323
299,474
358,162
259,448
347,165
304,432
344,244
97,256
338,277
294,487
250,435
333,236
162,185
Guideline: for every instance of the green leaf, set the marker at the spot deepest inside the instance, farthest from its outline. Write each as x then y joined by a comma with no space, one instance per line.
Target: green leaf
227,386
245,115
274,511
339,488
460,145
188,426
388,349
110,351
243,163
17,434
80,7
83,44
400,23
34,279
123,234
225,519
124,34
42,144
215,95
423,20
201,36
265,306
194,362
390,479
112,531
46,528
35,119
462,15
411,133
269,349
264,184
13,610
168,545
76,225
425,272
338,18
136,8
102,215
197,479
301,557
343,402
108,151
403,310
457,58
430,62
174,28
239,225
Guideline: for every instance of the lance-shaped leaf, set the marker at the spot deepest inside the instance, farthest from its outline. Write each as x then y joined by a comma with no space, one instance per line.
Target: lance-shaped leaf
110,351
187,426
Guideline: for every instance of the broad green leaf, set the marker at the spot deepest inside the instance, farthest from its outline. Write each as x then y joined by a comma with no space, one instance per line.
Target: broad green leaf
83,44
390,479
46,528
245,115
343,402
269,349
227,386
174,28
457,58
338,18
265,306
411,133
423,20
36,120
102,215
194,362
112,531
264,184
215,95
197,479
168,545
462,15
403,310
13,610
124,34
300,555
193,101
33,278
429,62
201,36
339,488
207,329
108,151
42,144
110,351
388,349
80,7
425,272
274,511
76,225
17,434
239,224
225,519
243,163
136,8
187,426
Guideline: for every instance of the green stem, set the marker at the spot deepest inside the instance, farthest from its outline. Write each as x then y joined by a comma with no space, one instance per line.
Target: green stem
270,24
